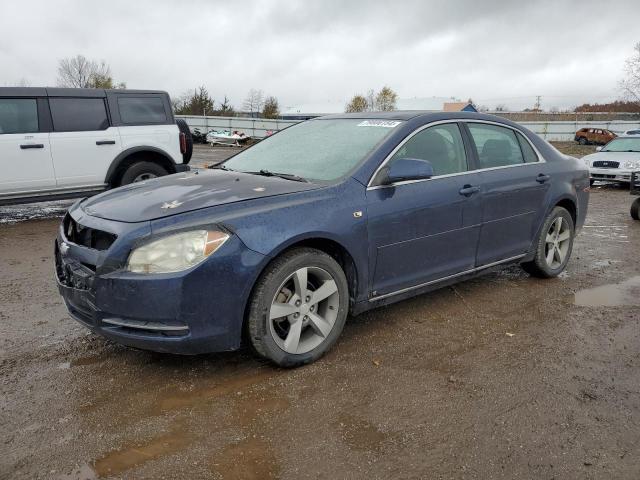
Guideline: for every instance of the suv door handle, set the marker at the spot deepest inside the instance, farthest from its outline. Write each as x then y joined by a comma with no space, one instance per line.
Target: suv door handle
469,190
31,145
106,142
542,178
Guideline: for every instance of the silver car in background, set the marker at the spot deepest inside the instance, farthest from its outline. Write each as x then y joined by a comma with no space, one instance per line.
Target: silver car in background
615,161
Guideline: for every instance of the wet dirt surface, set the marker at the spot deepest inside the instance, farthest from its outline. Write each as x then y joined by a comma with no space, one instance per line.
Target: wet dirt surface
504,376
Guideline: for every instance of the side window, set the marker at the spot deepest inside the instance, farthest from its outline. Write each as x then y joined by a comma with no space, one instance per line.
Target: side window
441,145
496,146
527,151
141,110
78,114
18,115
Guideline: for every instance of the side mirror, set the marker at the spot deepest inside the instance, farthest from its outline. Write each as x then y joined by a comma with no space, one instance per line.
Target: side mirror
404,169
598,149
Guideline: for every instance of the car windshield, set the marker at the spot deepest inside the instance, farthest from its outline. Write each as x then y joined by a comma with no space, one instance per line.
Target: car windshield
320,150
623,145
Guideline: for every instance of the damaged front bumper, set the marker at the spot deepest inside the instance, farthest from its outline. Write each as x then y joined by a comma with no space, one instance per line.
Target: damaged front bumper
199,310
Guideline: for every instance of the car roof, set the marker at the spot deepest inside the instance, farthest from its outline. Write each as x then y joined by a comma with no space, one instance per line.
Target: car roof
425,115
68,92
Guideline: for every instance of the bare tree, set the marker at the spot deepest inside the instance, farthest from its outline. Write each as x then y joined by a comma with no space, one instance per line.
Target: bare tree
386,100
501,107
371,100
630,85
254,101
358,103
271,108
80,72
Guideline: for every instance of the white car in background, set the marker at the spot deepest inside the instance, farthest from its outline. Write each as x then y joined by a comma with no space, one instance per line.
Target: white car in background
615,161
630,133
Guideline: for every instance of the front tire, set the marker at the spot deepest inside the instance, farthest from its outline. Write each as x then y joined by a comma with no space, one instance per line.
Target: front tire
553,246
583,141
298,308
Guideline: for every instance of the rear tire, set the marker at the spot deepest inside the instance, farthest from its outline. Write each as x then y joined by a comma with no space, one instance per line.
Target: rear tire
184,128
635,209
553,246
141,171
285,323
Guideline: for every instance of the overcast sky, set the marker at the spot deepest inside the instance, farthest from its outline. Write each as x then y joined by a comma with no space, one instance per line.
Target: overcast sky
314,51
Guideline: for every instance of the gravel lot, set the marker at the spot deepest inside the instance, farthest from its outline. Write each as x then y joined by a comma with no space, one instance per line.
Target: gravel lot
504,376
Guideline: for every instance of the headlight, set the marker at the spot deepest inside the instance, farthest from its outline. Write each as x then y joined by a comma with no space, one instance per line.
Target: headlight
631,164
175,253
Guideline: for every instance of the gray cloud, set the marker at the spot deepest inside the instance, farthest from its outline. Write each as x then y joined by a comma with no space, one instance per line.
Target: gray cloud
326,50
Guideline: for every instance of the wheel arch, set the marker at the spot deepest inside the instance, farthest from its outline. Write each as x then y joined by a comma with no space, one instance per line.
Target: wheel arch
132,155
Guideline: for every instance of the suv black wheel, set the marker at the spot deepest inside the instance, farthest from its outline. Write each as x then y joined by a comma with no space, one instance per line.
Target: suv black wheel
184,129
140,171
583,141
298,307
635,209
553,246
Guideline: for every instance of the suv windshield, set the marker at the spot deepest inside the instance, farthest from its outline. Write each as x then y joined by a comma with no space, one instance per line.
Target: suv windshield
322,150
623,145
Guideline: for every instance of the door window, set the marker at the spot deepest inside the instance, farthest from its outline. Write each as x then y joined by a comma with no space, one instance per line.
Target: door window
141,110
78,114
441,145
527,151
496,146
18,115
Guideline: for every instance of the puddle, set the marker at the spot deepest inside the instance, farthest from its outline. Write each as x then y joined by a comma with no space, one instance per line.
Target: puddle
359,434
250,459
119,461
613,295
184,399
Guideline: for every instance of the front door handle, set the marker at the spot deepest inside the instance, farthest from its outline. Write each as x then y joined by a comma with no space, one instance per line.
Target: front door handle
542,178
27,146
106,142
469,190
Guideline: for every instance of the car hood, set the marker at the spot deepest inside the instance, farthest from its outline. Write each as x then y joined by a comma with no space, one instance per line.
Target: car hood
611,157
184,192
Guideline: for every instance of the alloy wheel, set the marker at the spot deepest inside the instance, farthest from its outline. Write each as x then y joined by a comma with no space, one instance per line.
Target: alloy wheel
557,243
304,310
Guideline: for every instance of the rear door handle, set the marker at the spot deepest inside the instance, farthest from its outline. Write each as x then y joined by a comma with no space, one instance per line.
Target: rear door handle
106,142
469,190
542,178
27,146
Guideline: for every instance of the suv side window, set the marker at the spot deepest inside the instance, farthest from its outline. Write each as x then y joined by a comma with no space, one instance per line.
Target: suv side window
141,110
78,114
441,145
496,146
18,115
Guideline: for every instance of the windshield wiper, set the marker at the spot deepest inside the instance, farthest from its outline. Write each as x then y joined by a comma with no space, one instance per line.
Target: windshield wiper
286,176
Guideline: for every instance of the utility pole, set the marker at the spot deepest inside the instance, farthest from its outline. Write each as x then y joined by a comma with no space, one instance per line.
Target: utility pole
536,107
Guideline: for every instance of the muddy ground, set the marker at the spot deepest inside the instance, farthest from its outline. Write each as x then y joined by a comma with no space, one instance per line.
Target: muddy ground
504,376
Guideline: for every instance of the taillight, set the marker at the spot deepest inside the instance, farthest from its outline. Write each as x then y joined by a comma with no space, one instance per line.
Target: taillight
183,143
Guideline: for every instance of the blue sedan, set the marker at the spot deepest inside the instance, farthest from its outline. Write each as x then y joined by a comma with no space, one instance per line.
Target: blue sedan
328,218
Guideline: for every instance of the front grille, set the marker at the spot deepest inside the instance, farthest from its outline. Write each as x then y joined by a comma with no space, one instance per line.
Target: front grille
606,164
87,237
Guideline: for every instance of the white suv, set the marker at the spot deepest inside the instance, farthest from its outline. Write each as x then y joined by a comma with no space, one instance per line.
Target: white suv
61,143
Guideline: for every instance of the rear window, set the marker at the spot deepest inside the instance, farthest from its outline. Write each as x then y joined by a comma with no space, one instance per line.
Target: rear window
142,110
78,114
18,115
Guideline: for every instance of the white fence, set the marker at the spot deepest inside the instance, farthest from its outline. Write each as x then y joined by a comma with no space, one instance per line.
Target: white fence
258,127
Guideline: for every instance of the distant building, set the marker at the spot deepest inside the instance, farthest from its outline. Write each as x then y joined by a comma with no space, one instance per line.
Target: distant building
459,107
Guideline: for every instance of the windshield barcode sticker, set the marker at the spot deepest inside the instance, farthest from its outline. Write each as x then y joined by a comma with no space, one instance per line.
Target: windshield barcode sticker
380,123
